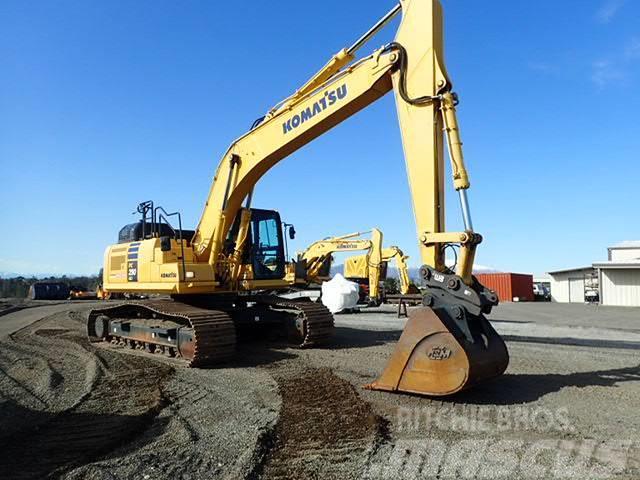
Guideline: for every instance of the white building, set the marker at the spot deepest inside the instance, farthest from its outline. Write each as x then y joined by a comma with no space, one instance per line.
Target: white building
619,277
628,250
614,282
569,285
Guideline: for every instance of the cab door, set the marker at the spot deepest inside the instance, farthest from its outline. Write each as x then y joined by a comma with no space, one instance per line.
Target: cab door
267,248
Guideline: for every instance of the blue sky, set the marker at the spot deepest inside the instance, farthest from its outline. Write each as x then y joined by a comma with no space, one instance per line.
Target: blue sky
106,104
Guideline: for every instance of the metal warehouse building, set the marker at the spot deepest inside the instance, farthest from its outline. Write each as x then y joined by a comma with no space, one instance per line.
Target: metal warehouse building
620,275
570,285
614,282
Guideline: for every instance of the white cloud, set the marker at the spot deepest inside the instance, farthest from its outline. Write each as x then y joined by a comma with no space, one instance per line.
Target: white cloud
477,268
633,49
608,10
616,68
604,72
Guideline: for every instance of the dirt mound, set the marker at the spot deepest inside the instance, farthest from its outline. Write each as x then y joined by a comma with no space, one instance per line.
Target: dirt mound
74,410
67,405
325,429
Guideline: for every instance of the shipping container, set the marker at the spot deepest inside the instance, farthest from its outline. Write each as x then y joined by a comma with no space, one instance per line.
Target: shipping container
49,291
510,287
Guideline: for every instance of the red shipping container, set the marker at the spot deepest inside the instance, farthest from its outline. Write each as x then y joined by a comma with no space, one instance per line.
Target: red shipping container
509,285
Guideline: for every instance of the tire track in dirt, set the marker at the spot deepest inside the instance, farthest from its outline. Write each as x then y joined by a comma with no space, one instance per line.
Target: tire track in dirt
93,401
325,430
209,429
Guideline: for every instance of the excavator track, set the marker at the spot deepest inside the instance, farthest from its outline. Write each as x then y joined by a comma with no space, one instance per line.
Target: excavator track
314,321
200,336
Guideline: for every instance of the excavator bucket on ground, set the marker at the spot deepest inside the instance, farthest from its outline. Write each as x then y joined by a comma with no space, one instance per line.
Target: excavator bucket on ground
447,345
434,357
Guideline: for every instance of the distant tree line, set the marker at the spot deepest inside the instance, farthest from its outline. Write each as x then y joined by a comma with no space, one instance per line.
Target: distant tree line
392,284
18,287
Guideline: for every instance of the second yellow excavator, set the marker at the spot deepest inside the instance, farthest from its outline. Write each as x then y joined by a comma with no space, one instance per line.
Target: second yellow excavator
218,273
314,264
359,269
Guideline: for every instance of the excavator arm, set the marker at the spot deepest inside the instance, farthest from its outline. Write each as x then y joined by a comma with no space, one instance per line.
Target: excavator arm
360,267
401,264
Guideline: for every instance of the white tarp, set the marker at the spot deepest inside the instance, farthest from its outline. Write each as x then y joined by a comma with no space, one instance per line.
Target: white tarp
339,294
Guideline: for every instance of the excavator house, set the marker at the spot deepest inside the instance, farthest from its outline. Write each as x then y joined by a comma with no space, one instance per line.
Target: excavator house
222,276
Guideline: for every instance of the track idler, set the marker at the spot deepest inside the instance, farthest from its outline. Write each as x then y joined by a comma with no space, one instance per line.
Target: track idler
447,345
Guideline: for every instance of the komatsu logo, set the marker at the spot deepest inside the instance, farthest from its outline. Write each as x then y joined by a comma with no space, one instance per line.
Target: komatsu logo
347,245
330,97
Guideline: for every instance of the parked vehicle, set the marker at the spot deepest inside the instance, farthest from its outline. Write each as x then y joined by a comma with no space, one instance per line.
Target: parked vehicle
541,292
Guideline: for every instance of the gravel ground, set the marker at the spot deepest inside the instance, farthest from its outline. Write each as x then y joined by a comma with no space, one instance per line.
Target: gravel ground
566,407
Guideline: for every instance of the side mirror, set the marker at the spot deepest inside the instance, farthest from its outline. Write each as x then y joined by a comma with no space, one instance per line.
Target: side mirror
292,232
165,244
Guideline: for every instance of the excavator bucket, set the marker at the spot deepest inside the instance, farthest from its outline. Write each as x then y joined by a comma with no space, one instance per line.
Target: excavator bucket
440,354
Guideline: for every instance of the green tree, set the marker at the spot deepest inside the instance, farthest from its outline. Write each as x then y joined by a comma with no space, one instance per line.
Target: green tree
18,287
391,285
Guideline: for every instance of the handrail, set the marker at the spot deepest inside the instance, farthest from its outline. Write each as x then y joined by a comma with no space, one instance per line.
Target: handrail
143,209
164,216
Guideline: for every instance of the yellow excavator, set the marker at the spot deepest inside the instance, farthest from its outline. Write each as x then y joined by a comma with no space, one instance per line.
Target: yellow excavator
359,269
315,262
313,266
215,274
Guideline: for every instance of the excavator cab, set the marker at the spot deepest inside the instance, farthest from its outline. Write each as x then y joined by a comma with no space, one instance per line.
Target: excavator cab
267,245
